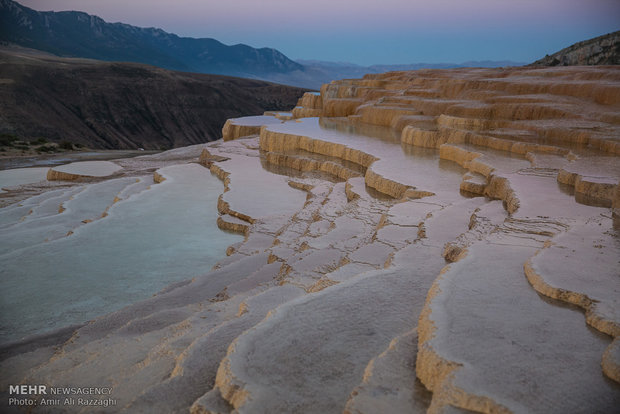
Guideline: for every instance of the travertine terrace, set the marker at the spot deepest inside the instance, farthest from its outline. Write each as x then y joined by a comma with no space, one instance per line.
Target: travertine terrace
82,169
430,241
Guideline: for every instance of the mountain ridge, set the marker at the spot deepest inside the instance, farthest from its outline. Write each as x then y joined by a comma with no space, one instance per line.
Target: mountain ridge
600,50
78,34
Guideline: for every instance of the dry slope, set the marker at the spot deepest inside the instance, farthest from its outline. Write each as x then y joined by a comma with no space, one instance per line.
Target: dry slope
123,105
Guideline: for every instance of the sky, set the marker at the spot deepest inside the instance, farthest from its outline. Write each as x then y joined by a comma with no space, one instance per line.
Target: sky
371,32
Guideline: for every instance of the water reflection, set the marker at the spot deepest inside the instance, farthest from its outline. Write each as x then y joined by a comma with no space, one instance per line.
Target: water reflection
59,159
419,168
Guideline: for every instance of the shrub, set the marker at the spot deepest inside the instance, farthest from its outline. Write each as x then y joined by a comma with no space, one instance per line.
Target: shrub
38,141
46,148
6,140
66,145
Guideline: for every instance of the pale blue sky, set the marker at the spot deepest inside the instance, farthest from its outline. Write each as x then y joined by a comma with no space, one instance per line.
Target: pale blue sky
371,32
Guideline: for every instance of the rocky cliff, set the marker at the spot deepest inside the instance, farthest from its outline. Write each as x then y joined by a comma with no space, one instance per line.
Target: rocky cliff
602,50
123,105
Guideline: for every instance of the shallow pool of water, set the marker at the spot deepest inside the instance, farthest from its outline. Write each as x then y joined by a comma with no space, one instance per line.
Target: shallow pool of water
151,239
66,157
21,176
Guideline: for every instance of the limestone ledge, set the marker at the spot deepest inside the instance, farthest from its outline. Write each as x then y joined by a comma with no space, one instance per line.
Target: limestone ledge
611,360
433,108
305,164
567,105
158,177
83,170
276,142
436,372
497,187
53,175
231,131
242,127
385,115
616,206
280,142
207,159
233,224
303,112
311,100
434,138
389,381
597,180
602,309
282,116
229,219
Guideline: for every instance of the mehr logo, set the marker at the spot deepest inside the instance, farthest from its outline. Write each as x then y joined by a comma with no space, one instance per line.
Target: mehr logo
27,389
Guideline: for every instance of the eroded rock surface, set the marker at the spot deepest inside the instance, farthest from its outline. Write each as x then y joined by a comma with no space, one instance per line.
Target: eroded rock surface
437,241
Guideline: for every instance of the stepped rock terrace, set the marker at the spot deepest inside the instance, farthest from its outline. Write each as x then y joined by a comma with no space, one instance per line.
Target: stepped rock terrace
433,241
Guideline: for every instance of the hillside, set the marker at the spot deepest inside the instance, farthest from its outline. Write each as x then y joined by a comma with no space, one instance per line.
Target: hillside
123,105
77,34
602,50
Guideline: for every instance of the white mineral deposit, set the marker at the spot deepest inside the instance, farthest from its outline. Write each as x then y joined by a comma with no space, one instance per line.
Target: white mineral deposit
441,241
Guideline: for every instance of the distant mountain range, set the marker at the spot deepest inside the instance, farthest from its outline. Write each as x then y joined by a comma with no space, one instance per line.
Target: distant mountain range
601,50
316,72
77,34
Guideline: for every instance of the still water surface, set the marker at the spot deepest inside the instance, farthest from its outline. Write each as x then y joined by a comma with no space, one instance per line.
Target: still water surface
155,236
